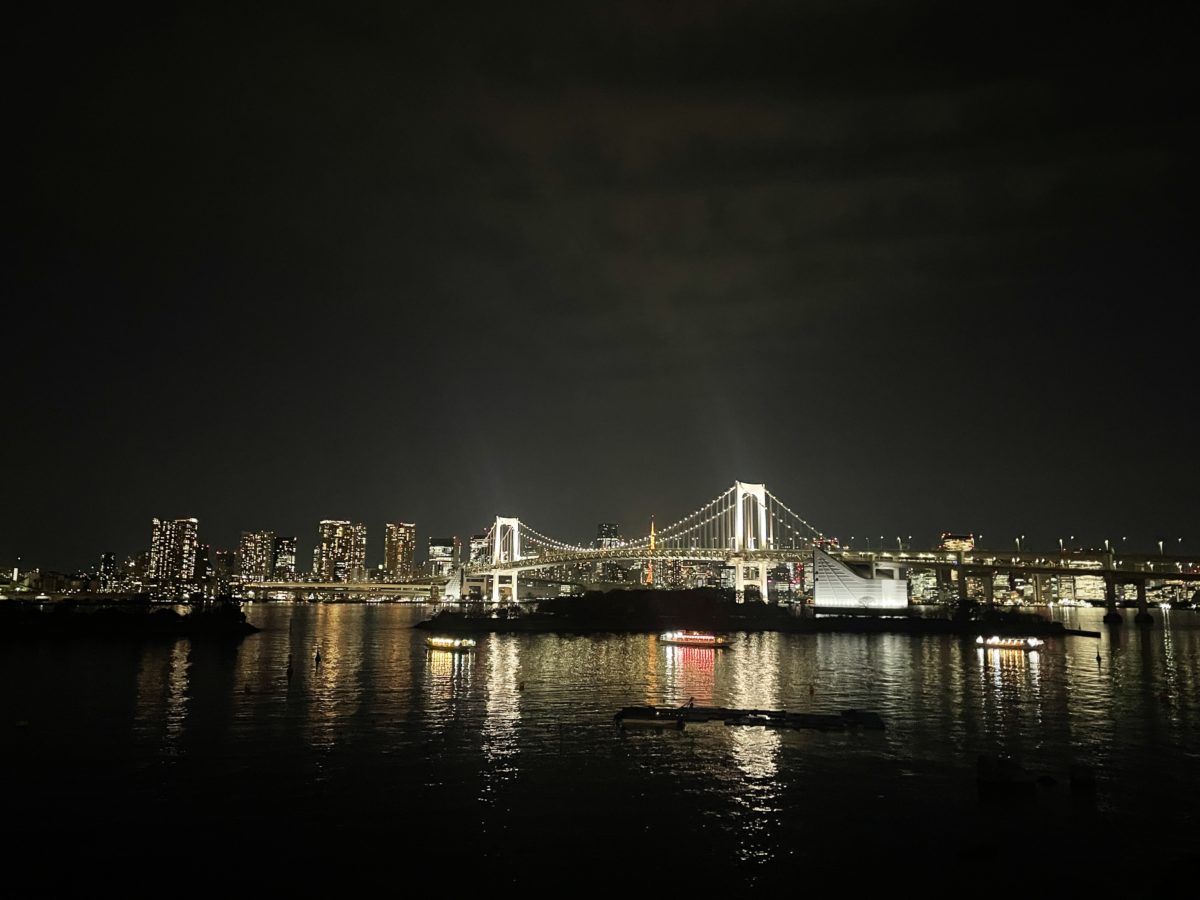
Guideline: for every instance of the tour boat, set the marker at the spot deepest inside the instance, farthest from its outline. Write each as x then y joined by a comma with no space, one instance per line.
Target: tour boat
995,642
449,643
693,639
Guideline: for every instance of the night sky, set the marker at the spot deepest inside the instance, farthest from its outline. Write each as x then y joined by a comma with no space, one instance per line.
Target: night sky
917,270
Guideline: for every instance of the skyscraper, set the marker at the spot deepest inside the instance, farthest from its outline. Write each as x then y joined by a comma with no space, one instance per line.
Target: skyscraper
204,569
341,553
108,572
283,563
608,535
224,571
257,553
443,555
172,554
480,549
399,550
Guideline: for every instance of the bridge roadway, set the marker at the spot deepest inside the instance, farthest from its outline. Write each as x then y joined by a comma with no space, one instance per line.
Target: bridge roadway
1114,568
1123,567
1132,567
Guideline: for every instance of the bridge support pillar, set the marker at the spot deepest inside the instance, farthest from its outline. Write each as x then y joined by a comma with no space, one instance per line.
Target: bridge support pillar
739,579
498,574
989,589
1039,588
963,597
1111,617
1143,616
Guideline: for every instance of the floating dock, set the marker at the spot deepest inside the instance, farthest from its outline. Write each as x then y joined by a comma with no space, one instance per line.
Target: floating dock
846,720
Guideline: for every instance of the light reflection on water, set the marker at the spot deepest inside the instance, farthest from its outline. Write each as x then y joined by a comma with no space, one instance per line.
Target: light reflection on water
519,731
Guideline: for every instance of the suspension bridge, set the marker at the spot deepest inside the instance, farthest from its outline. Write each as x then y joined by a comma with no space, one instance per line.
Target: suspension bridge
746,528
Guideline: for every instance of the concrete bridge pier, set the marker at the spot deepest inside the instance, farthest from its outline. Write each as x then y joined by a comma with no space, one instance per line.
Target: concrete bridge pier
496,576
740,580
989,589
1143,616
1111,616
1039,590
963,597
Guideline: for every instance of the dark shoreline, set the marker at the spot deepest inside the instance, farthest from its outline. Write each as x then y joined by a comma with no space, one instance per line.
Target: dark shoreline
460,623
651,612
221,620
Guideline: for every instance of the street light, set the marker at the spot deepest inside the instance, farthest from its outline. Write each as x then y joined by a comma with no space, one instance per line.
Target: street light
1160,543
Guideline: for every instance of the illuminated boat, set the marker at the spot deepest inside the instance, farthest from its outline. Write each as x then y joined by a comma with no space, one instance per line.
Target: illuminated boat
995,642
693,639
449,643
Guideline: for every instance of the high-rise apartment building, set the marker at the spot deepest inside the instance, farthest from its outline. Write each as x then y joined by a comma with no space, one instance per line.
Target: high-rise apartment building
224,571
172,563
204,568
400,550
608,535
257,554
479,549
443,555
341,553
107,573
283,562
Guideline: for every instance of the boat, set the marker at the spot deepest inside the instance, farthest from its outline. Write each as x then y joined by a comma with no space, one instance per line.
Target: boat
693,639
995,642
449,643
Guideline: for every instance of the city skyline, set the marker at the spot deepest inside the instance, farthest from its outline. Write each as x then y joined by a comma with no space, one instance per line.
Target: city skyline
181,537
582,267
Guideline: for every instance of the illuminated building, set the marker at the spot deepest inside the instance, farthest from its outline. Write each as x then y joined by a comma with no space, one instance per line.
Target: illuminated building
283,561
204,568
443,555
608,535
956,542
108,572
172,561
875,586
479,549
400,550
341,552
783,578
224,571
256,553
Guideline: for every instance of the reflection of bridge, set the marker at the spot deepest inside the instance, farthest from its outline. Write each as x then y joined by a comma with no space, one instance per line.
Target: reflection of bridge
746,528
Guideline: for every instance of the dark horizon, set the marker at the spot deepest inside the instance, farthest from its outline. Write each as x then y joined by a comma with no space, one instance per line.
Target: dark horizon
918,270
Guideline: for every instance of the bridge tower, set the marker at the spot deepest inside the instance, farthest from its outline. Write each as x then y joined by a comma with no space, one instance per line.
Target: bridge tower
506,548
751,532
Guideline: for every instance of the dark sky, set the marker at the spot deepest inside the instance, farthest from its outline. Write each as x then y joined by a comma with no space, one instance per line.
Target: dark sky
917,267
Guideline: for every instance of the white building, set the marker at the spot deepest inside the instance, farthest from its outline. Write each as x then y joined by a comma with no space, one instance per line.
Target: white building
836,585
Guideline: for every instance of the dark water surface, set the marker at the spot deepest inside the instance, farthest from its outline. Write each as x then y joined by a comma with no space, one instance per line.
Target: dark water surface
502,766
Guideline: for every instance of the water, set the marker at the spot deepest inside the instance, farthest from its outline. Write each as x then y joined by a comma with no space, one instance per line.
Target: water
504,765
